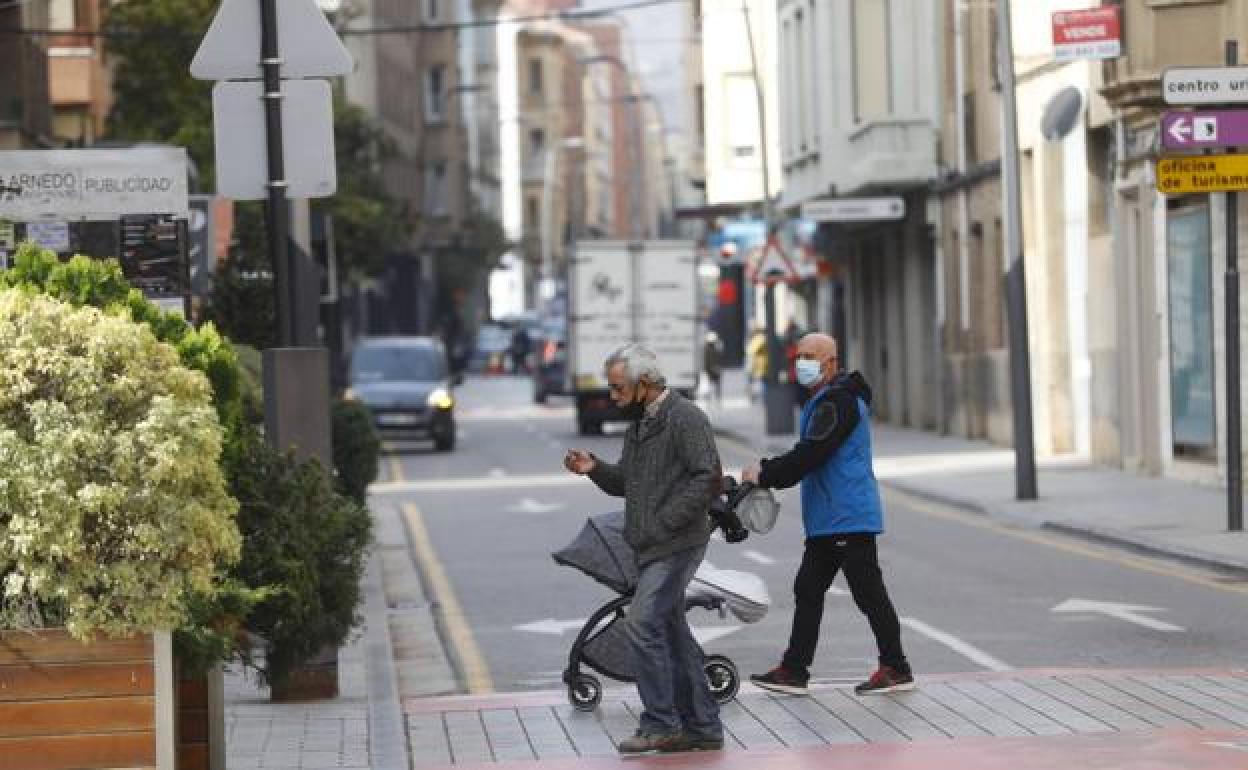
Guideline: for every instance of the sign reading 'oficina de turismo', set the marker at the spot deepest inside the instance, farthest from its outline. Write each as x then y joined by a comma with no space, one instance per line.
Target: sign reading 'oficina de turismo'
92,184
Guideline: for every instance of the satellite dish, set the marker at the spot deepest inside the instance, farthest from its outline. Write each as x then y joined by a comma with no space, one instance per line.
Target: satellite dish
1061,113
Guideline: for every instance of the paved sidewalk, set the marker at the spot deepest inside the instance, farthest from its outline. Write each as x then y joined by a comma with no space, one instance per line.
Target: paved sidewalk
1163,516
1019,719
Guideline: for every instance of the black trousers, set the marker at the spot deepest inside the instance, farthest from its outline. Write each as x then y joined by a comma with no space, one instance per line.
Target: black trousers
823,558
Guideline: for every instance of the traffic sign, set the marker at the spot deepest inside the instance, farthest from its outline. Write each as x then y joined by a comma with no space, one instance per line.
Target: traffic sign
307,43
855,209
307,139
1205,85
772,265
1094,33
1202,174
1207,128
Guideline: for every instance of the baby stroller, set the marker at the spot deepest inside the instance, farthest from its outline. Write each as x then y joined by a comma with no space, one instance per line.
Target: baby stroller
601,552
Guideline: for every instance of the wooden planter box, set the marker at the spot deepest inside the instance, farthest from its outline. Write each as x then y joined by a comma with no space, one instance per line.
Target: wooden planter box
64,704
201,721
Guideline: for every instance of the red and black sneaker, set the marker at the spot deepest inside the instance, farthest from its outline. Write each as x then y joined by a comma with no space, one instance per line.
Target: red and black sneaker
886,679
781,679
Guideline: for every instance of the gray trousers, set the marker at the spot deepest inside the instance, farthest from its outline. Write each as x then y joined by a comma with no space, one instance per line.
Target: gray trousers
668,661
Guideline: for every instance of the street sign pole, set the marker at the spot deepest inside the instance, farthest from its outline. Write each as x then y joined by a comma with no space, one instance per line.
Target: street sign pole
1016,283
1234,454
277,213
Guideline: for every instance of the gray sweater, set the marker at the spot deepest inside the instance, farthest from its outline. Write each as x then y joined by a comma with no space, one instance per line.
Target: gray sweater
668,474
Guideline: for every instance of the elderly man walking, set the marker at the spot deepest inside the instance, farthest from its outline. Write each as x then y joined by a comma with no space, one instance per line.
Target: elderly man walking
668,474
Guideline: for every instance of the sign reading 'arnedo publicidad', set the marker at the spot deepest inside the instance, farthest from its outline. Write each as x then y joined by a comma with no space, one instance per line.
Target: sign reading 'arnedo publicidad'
92,184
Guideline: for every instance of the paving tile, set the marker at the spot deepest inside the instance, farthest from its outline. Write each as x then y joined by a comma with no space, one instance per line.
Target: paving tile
752,734
862,720
586,731
992,698
1107,713
943,718
825,724
1144,690
467,737
1058,711
506,736
546,734
427,741
1229,712
790,730
973,711
318,759
894,710
1100,689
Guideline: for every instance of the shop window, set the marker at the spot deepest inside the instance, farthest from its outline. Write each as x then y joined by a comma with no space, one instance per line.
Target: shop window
1190,299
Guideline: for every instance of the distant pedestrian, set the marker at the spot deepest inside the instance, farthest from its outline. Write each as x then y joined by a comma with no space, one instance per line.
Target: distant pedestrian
756,348
521,346
668,474
842,516
792,335
713,365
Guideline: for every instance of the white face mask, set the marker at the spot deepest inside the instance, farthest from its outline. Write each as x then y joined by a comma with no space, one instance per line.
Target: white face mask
808,371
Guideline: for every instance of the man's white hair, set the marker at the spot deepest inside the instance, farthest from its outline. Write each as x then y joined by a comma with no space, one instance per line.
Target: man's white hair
640,363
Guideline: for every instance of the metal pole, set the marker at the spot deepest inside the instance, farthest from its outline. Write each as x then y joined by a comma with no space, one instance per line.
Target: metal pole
762,114
1016,283
1234,454
277,212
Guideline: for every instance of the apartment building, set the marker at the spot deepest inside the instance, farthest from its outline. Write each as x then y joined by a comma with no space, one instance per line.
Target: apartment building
860,113
25,111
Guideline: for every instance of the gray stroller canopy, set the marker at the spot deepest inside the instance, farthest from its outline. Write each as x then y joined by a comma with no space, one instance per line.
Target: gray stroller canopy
600,551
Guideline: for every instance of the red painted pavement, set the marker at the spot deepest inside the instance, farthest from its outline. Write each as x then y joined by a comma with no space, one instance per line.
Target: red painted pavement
1175,749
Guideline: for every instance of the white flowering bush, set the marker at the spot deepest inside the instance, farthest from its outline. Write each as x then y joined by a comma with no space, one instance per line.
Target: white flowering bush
113,507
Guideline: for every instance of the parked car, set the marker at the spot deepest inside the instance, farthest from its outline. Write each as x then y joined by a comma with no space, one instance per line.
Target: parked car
550,373
407,386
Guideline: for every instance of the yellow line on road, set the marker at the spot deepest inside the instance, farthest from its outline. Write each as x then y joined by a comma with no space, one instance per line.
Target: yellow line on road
458,632
1062,543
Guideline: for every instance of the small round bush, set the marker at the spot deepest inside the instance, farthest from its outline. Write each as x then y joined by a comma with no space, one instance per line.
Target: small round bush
113,507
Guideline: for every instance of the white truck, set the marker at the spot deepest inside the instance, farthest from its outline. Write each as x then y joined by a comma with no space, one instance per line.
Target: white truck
621,292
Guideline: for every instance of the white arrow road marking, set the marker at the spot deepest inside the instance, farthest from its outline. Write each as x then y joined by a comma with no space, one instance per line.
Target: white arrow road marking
1180,130
758,558
529,505
1127,612
968,651
550,626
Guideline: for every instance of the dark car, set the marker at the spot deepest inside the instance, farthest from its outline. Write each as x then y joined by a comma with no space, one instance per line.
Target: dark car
406,384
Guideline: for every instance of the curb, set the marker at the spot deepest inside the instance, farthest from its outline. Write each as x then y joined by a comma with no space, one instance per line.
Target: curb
387,740
1103,535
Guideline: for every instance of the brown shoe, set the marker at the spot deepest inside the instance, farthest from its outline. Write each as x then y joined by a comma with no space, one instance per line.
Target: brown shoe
700,742
643,742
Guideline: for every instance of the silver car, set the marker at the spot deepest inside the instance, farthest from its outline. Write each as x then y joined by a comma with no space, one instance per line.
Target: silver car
407,386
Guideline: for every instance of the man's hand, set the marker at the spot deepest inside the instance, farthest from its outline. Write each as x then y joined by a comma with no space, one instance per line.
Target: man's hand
750,474
579,461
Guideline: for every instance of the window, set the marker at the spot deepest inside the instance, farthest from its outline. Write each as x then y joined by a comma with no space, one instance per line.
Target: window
799,48
537,141
872,60
431,10
1190,284
61,14
535,77
435,92
435,189
532,213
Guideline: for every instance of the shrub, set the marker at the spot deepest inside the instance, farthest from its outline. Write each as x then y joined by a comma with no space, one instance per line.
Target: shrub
356,449
113,508
305,543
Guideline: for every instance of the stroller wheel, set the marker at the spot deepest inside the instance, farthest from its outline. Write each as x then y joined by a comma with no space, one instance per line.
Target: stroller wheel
721,675
585,692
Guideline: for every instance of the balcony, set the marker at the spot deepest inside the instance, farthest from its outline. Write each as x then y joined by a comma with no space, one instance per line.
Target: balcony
891,153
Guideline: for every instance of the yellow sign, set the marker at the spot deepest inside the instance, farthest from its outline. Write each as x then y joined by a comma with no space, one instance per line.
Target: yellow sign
1202,174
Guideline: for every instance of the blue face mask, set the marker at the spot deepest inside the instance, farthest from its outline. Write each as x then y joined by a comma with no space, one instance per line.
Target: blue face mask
808,371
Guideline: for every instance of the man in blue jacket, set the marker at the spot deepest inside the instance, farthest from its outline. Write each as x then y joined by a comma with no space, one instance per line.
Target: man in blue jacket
842,515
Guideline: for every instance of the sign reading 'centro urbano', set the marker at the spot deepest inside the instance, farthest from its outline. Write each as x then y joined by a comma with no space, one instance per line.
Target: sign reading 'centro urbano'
1202,174
92,184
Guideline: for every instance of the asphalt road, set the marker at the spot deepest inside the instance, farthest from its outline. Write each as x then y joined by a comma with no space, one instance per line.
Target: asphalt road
974,594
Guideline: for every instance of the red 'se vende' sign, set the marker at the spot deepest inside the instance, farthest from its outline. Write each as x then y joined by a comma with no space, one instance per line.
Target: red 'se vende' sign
1094,33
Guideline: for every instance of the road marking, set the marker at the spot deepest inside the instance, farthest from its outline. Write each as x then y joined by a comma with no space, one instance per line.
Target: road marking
529,505
966,650
1128,612
458,631
396,468
497,473
1062,543
758,558
480,482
